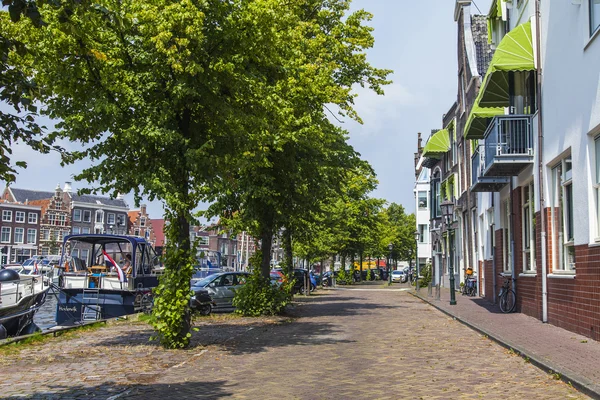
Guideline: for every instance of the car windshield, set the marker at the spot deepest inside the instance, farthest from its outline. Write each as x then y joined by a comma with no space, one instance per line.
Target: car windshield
205,281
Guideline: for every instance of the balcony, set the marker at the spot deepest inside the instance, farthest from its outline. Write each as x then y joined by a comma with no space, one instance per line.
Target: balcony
482,183
508,146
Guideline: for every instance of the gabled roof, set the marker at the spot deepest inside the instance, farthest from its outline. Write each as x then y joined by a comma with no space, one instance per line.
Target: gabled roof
98,200
158,226
23,195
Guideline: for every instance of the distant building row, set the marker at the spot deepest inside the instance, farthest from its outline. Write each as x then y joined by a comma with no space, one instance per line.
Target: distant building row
35,222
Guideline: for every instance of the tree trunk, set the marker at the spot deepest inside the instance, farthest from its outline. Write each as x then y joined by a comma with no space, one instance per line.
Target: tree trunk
288,263
361,263
266,239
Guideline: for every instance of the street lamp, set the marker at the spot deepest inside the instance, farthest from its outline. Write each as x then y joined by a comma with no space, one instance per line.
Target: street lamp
448,212
417,235
390,248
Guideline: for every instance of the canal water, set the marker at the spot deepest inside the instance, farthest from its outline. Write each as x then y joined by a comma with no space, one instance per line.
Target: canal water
44,318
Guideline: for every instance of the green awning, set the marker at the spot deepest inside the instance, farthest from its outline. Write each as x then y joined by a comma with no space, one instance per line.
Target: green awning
496,9
514,53
438,144
478,120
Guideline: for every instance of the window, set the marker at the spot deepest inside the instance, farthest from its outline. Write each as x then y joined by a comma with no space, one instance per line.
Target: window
506,235
45,233
563,232
423,233
87,216
120,220
32,218
62,220
594,16
51,219
142,221
31,236
436,210
147,235
75,253
203,240
58,204
5,238
76,230
527,224
98,231
7,216
85,230
19,232
84,255
136,232
77,215
20,216
422,200
99,216
45,251
110,218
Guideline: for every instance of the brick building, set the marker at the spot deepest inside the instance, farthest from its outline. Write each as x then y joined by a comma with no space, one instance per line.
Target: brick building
139,224
19,230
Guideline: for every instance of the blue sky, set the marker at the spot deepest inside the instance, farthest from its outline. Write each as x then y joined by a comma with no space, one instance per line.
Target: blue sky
417,40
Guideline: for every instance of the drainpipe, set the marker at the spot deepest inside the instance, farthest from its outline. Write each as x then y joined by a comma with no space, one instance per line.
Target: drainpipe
512,239
538,42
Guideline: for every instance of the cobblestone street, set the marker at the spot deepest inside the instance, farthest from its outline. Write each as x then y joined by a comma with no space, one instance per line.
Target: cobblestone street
344,344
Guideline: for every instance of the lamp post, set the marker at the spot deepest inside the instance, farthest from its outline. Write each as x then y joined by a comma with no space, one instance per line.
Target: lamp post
417,235
390,248
448,212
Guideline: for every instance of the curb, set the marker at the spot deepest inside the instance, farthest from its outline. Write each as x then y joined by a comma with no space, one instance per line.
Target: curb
565,376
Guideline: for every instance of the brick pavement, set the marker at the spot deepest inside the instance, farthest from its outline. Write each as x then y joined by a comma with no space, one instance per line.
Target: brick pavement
340,344
575,357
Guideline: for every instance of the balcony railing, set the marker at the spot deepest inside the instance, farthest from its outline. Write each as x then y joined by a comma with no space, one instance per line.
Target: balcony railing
479,182
508,145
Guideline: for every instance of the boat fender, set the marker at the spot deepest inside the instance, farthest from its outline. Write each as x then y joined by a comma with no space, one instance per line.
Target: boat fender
7,275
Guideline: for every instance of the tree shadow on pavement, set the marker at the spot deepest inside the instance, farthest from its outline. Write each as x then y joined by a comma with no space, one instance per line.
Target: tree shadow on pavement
197,390
485,304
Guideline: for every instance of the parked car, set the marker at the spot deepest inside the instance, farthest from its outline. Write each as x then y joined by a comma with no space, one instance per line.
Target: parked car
399,276
221,287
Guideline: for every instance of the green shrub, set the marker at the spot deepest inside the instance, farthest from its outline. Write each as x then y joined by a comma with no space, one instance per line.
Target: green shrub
426,274
259,297
344,277
369,276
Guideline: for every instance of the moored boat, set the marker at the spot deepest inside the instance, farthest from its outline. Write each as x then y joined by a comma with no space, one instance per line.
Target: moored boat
105,276
20,297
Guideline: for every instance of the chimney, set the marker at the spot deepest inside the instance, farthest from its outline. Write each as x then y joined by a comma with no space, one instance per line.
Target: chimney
419,142
143,209
120,196
67,188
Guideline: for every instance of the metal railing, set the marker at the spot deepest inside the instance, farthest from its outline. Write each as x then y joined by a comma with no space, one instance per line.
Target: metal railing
508,135
477,164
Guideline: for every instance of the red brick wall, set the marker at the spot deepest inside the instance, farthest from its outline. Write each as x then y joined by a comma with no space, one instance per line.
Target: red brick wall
574,304
488,265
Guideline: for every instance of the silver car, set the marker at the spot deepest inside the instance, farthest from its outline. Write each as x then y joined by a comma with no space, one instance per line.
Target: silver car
220,287
399,276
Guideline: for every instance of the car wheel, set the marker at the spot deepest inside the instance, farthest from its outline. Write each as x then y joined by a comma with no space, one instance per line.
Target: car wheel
205,309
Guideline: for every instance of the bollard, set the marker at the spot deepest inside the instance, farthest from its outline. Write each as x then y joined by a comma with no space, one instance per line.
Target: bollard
437,291
429,290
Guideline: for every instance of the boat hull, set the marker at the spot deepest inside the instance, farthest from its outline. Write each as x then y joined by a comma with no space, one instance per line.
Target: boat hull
14,319
108,304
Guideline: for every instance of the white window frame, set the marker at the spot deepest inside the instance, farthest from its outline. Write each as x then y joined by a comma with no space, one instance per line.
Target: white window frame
204,240
85,254
51,219
30,232
99,217
20,235
527,227
85,230
32,218
20,214
110,218
507,250
5,230
563,249
594,25
87,216
45,234
76,230
423,233
62,220
142,222
77,213
419,199
7,215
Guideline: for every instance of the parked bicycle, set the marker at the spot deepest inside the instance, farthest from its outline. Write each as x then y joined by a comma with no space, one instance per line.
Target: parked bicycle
508,297
469,287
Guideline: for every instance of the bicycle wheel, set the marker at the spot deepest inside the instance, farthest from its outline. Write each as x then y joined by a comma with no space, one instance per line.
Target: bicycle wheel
507,301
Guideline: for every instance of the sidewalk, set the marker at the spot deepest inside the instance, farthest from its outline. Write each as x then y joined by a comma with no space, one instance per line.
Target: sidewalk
576,358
